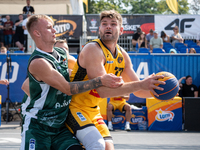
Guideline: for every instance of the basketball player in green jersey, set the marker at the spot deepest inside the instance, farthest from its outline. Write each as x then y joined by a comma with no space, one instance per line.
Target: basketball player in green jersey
46,110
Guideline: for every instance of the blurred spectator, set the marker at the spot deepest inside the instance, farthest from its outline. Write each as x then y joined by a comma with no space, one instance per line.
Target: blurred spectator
1,32
3,50
142,41
19,33
120,104
8,25
173,51
198,39
176,37
148,37
62,43
136,36
156,42
25,32
192,50
187,89
165,37
5,82
28,8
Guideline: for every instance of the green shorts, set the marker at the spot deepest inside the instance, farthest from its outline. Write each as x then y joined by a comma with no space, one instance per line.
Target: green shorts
37,136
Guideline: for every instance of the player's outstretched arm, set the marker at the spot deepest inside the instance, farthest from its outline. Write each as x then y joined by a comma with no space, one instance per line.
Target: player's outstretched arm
129,75
43,71
96,68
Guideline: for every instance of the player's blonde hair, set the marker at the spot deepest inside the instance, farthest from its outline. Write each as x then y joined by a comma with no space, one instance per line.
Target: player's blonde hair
33,20
111,14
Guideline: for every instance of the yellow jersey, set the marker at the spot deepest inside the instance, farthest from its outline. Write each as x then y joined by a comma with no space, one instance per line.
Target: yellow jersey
113,64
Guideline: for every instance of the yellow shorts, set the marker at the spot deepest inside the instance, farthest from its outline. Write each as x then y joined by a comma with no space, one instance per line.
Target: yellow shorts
118,104
78,119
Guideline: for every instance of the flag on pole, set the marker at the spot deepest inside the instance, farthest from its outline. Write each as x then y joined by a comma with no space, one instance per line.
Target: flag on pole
173,5
86,4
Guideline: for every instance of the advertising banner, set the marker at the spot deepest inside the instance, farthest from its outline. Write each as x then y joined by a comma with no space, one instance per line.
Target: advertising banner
17,74
188,24
119,119
65,25
164,115
143,65
129,22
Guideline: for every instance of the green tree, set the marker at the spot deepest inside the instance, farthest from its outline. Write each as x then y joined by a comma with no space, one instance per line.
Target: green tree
182,7
96,6
143,7
195,7
136,6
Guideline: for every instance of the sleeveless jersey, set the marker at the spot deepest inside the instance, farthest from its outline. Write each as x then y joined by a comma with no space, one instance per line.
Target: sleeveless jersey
47,104
112,64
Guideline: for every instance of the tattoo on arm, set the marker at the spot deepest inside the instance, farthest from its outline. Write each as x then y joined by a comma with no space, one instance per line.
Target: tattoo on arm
83,86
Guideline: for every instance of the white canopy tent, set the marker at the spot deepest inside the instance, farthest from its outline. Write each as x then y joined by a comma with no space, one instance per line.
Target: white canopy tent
43,6
51,7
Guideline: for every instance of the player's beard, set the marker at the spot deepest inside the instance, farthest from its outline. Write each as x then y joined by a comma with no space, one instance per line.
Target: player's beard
108,38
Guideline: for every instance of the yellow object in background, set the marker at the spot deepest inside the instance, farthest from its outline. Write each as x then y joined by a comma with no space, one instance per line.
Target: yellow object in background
86,3
173,5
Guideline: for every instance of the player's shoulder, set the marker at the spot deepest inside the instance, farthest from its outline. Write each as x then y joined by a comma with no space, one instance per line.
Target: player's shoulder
91,48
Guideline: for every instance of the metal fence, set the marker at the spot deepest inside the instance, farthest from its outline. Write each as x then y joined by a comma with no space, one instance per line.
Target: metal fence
123,41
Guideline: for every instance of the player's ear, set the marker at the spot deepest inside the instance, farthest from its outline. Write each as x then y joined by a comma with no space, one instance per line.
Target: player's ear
36,33
121,30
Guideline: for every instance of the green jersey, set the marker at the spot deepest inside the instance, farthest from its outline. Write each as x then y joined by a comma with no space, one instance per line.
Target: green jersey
48,105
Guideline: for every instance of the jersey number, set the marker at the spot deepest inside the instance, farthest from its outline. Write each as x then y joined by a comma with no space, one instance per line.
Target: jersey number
118,70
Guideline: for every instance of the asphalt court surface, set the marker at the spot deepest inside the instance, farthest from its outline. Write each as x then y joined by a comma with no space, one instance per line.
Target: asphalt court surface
10,139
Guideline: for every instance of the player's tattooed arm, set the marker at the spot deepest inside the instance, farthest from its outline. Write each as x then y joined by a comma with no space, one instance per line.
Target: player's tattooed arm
79,87
108,80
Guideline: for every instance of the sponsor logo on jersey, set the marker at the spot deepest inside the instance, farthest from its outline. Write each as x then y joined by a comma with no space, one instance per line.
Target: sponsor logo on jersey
109,62
120,59
32,144
81,117
94,93
164,115
65,61
64,104
100,121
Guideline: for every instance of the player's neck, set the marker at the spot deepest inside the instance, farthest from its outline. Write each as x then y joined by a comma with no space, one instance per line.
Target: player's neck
110,45
45,47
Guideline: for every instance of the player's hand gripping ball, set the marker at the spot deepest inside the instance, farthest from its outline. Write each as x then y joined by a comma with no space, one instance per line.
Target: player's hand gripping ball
170,88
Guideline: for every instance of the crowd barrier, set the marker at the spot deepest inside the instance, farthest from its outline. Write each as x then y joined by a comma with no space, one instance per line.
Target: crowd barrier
119,120
144,65
191,113
164,115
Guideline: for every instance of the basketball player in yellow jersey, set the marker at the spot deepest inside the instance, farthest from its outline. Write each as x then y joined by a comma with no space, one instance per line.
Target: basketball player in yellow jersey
121,104
97,58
